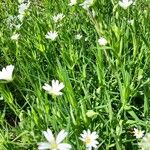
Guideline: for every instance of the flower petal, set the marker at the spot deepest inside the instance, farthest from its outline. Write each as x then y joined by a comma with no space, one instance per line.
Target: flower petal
61,86
43,145
64,146
48,135
61,135
47,87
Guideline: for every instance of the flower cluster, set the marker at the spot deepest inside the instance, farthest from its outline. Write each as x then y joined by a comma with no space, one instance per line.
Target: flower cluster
143,140
21,10
88,137
52,35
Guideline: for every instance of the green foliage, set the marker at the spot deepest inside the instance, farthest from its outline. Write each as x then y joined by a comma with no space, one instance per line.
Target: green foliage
111,80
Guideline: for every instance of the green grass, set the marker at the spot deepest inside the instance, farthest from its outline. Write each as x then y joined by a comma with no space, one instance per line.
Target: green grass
111,80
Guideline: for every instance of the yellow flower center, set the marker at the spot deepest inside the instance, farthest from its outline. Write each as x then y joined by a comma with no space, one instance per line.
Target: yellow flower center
88,140
54,146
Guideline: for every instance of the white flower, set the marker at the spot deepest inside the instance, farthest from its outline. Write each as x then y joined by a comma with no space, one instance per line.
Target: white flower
138,133
51,35
53,144
55,88
22,7
102,41
87,3
89,139
6,73
72,2
15,36
18,26
78,36
58,17
20,17
145,143
125,3
131,22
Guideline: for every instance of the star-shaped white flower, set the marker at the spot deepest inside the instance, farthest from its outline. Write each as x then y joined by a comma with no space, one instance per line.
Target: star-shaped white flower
102,41
6,73
58,17
89,139
22,7
125,3
55,88
54,144
72,2
15,36
78,36
51,35
87,3
138,133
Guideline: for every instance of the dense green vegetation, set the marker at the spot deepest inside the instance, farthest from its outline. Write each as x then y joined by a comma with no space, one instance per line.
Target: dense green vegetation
106,85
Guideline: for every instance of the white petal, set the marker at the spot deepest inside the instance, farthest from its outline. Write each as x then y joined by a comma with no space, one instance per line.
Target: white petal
94,135
88,132
56,83
59,93
64,146
94,143
43,146
89,148
61,86
53,82
49,135
10,68
47,87
61,136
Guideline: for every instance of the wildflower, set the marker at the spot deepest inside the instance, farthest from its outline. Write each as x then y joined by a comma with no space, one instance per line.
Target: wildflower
89,139
138,133
6,73
87,3
72,2
102,41
131,22
55,88
22,7
15,36
78,36
51,35
145,143
18,26
20,17
125,3
91,113
58,17
53,144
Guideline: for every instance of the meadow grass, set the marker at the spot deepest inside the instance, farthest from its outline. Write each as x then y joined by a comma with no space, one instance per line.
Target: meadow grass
112,81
